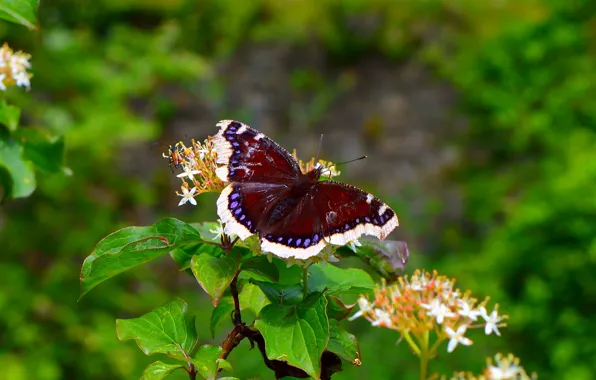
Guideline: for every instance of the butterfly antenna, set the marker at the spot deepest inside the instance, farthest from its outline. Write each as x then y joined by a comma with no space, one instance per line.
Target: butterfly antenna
345,162
355,159
319,150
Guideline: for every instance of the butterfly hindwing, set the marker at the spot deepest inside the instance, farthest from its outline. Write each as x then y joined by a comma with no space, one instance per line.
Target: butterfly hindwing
334,213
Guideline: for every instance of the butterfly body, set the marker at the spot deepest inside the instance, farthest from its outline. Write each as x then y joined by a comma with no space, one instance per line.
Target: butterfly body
293,213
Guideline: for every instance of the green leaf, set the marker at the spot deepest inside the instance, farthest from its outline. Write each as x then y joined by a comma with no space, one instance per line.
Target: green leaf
224,365
339,280
18,177
222,311
262,268
20,11
296,334
288,275
251,298
183,255
131,247
159,370
206,361
342,343
336,309
9,115
214,274
281,294
168,330
46,152
387,257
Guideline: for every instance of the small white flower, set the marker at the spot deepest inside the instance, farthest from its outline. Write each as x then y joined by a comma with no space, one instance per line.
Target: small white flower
382,318
218,231
2,85
364,306
353,244
22,79
438,310
503,373
188,196
326,256
419,285
188,172
202,153
466,311
457,337
492,321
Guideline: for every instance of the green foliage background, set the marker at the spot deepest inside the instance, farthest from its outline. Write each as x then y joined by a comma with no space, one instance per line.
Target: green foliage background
526,72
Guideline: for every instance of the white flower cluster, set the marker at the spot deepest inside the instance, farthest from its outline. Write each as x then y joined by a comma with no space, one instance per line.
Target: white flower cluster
428,302
13,68
503,368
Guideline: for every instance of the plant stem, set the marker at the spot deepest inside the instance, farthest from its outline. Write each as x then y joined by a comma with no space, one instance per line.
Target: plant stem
423,366
234,291
305,282
424,355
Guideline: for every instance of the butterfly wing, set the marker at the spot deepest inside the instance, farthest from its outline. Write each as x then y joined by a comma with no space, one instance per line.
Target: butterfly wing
333,213
249,156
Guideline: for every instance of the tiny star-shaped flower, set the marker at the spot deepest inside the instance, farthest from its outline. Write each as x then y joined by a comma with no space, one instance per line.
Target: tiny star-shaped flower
364,306
188,196
492,321
353,244
457,337
188,172
438,310
500,373
466,311
382,318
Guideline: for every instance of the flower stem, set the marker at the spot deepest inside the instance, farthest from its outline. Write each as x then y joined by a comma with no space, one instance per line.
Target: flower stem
424,355
411,342
423,366
305,282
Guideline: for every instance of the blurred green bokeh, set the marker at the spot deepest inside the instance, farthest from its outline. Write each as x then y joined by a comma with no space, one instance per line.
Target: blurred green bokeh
116,77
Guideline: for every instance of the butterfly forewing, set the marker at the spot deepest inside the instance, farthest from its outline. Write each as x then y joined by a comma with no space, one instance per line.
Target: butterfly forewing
249,156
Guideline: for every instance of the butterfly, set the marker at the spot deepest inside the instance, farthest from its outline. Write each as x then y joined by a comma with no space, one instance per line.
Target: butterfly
294,213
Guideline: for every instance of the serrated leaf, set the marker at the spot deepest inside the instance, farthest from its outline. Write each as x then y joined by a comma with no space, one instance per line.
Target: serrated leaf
9,115
214,274
342,343
205,361
261,268
22,12
281,294
339,280
387,257
131,247
159,370
251,298
296,334
46,152
168,330
336,309
18,179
